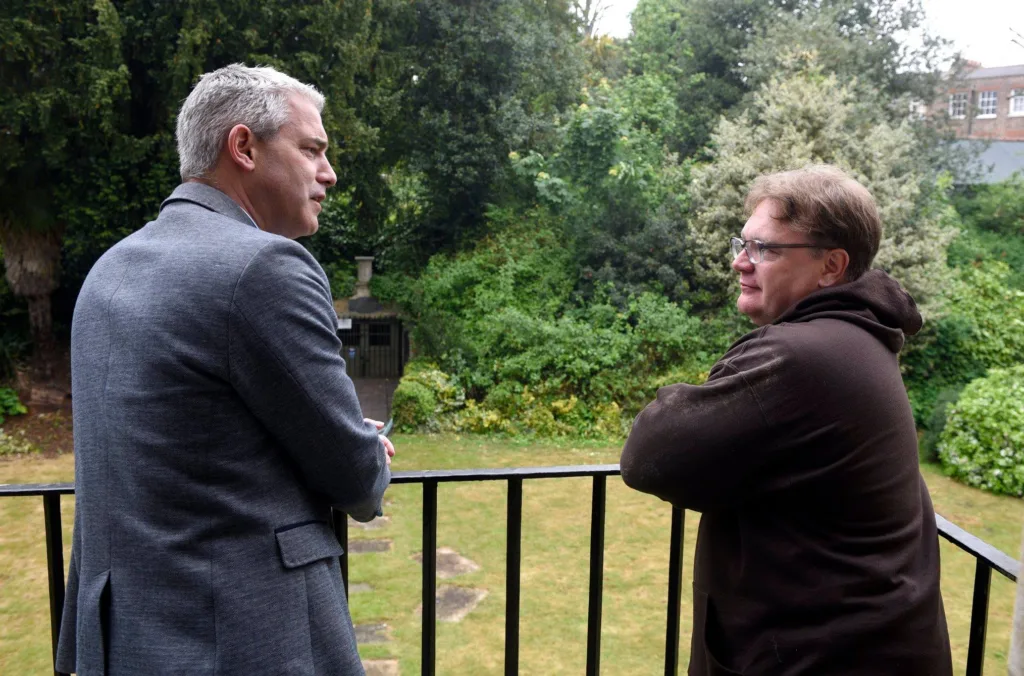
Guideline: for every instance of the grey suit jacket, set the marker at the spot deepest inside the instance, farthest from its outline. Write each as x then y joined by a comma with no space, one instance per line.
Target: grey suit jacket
214,428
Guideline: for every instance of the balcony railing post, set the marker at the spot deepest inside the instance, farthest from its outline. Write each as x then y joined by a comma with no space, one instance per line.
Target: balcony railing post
54,566
979,618
340,520
675,589
597,513
428,651
513,546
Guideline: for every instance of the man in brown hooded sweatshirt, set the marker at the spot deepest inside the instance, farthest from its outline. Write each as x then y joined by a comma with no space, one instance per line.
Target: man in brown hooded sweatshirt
817,551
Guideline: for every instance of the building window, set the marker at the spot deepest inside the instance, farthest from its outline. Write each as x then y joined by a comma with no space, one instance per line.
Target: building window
958,105
1017,102
987,102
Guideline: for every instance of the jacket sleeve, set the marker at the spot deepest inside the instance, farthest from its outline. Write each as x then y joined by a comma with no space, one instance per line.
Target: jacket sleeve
285,362
703,446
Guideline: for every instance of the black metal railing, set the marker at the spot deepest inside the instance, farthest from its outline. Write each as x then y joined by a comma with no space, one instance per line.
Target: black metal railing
987,557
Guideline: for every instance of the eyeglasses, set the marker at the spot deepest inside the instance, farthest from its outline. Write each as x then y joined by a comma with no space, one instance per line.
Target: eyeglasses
755,248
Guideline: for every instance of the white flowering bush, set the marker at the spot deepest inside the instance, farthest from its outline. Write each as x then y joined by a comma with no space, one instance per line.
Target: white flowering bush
15,444
982,444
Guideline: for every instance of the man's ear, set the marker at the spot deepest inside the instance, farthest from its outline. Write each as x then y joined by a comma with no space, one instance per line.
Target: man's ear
240,147
834,268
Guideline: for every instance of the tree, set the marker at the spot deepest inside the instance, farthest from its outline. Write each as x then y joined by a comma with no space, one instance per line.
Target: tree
63,82
477,81
717,51
695,44
167,46
589,13
89,99
809,118
630,194
861,42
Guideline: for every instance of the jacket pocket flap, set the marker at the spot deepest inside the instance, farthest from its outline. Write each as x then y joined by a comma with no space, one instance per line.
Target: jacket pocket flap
306,543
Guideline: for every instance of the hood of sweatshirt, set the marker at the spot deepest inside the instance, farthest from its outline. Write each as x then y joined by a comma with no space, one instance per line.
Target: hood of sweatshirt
875,302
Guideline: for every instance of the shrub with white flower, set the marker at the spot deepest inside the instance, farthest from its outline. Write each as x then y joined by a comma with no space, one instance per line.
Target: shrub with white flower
982,444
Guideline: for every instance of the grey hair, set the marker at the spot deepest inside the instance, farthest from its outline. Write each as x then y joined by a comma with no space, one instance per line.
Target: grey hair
232,95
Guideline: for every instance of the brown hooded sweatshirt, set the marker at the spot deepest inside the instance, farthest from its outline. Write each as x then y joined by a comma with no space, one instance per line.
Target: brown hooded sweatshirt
817,551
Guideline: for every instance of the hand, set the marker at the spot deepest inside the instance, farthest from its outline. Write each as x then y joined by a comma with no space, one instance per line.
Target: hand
389,448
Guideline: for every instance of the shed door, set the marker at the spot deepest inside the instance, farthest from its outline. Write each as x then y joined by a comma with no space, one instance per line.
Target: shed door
374,348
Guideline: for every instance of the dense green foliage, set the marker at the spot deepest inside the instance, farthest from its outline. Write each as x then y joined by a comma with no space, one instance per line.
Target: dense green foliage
983,441
502,319
981,326
998,207
482,78
424,397
993,217
10,404
713,53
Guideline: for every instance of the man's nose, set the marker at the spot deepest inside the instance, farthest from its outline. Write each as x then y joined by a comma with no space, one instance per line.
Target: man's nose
326,175
741,263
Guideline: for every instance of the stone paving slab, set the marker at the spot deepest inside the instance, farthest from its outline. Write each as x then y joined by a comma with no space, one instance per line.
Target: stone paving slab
450,563
372,633
376,524
452,604
381,667
365,546
375,395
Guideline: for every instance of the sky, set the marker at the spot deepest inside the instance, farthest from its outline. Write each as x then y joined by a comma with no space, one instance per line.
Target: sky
979,28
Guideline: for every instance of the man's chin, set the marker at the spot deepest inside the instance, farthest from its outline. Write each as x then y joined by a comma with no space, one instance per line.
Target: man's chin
308,229
746,308
299,234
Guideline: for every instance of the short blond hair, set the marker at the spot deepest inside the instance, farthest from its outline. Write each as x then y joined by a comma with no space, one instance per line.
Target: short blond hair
827,205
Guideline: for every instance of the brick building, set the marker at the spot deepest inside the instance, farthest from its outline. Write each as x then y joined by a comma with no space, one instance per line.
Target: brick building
987,103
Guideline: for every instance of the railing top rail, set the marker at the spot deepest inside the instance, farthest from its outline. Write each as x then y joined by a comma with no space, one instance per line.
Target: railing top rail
972,544
22,490
406,477
503,473
998,560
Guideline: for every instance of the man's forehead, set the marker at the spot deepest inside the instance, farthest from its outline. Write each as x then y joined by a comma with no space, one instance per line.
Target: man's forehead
305,120
763,223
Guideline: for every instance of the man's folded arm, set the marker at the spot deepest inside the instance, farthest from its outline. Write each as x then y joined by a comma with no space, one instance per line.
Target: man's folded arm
698,446
286,364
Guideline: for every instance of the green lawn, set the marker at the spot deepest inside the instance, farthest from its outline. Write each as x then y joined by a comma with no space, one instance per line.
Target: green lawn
556,533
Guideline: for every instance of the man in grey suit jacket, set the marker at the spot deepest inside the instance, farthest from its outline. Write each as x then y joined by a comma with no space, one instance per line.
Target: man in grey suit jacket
214,423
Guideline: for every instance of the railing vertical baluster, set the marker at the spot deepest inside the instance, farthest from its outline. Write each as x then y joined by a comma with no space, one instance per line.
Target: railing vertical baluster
428,650
54,566
675,590
597,511
513,546
340,520
979,618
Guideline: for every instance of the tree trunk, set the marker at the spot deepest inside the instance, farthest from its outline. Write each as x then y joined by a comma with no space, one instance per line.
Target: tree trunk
1017,638
590,12
32,261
